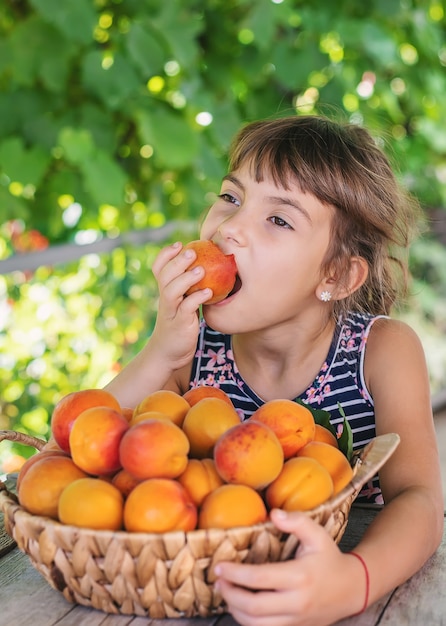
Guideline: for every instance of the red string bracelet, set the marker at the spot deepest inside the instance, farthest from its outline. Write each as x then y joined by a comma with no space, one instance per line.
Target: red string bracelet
367,581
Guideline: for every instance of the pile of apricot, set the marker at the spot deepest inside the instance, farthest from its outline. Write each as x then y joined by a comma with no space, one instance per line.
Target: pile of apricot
179,462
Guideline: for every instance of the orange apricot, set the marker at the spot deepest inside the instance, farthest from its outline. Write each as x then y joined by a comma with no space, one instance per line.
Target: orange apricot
91,503
159,505
146,415
324,435
95,438
302,485
41,486
70,406
37,457
230,506
292,422
127,412
154,448
200,478
164,401
124,481
196,394
250,454
205,422
333,459
12,463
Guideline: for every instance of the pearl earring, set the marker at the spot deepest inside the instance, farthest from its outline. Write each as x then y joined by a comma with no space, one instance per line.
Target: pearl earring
325,296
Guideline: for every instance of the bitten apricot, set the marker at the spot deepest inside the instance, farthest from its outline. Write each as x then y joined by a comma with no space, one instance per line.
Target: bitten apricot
159,505
302,485
43,483
73,404
249,454
164,401
196,394
200,478
220,269
292,422
205,422
230,506
333,459
154,448
91,503
95,438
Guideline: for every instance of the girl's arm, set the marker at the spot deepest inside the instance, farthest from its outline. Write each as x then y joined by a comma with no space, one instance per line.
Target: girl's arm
172,344
322,585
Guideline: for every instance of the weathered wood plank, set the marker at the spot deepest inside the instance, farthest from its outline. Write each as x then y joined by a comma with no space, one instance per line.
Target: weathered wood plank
422,599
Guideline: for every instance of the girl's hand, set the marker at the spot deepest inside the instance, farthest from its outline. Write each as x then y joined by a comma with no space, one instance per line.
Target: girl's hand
320,586
176,329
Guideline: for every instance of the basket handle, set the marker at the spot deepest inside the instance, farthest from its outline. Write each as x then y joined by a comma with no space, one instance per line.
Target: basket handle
27,440
370,459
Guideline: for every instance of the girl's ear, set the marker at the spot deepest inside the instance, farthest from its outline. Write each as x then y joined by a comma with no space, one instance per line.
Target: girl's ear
349,282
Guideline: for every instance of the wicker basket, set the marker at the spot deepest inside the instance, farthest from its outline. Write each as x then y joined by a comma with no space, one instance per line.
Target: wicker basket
164,575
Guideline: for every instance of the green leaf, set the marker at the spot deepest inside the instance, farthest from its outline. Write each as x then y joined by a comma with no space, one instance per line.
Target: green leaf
293,65
174,142
180,27
113,84
26,166
12,207
78,145
320,416
345,441
39,50
145,49
76,19
378,43
261,21
104,179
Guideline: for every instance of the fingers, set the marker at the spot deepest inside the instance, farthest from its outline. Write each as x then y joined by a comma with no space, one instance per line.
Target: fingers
312,536
268,576
264,609
170,270
313,539
164,256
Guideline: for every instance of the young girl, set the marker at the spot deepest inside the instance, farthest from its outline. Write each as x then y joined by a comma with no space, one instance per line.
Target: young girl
316,221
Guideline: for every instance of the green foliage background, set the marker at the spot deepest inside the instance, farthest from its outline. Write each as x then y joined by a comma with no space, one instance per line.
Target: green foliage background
115,115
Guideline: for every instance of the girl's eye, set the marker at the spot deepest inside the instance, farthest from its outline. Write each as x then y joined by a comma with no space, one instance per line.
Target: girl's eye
278,221
228,198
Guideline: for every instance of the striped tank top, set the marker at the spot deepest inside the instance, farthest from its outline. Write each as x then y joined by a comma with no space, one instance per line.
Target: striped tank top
340,381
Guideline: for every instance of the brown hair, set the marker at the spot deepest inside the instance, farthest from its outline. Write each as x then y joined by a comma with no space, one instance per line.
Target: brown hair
341,165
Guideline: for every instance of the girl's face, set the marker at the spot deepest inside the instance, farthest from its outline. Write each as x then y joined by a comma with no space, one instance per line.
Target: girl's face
279,238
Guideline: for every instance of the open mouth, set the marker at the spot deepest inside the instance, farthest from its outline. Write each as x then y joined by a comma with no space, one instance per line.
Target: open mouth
236,287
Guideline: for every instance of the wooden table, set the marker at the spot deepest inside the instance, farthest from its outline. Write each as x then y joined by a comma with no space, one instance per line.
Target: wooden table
26,599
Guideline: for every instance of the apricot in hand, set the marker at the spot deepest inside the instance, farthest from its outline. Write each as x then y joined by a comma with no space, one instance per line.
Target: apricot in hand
220,269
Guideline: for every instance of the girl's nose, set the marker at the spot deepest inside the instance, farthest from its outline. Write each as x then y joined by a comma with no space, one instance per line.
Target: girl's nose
234,229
